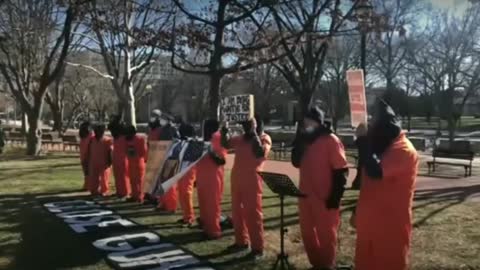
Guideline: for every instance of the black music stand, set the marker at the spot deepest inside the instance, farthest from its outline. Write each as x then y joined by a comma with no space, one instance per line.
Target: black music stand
283,186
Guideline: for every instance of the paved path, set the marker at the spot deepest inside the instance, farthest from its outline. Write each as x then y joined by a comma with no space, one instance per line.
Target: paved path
448,180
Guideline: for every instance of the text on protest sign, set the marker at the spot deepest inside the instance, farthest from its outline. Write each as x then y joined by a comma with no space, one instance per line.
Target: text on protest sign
356,94
237,108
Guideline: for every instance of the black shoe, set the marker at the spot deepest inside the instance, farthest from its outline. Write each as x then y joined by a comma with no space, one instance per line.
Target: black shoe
256,255
237,248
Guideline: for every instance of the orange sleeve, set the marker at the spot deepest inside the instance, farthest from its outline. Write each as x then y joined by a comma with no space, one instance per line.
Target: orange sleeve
338,159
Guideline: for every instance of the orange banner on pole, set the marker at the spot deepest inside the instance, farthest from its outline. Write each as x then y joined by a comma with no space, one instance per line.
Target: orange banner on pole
356,94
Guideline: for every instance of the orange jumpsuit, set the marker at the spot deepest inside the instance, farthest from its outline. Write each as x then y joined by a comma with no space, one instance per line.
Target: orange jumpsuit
136,149
318,224
185,194
154,134
210,189
384,211
120,167
84,142
246,190
99,162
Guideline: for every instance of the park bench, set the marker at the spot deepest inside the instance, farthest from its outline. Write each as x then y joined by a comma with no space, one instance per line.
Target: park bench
50,141
459,150
71,142
15,138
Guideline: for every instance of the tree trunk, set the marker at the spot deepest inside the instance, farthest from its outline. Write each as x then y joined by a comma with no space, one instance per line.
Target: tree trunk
34,138
57,114
214,96
305,102
129,106
24,123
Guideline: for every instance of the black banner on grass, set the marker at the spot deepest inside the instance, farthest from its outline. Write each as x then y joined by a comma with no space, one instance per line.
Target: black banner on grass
123,248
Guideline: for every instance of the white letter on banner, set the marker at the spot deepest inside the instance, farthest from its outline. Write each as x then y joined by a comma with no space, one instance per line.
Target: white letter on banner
120,243
67,203
86,213
71,208
82,227
151,255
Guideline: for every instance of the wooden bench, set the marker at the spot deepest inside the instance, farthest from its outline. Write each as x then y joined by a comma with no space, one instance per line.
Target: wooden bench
15,138
72,142
51,141
459,150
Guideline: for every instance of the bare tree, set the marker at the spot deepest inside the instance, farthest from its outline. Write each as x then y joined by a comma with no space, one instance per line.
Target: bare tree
449,60
307,29
35,37
343,55
217,38
128,35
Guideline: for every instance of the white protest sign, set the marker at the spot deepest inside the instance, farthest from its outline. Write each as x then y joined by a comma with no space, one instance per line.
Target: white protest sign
237,108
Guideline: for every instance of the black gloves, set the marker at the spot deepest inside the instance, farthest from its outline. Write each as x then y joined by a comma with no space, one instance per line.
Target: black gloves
368,159
299,147
339,179
216,158
257,147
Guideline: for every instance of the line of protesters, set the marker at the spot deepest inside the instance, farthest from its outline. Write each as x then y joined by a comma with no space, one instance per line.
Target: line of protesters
386,178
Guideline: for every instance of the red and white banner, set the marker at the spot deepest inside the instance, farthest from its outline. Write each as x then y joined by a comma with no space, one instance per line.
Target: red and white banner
356,94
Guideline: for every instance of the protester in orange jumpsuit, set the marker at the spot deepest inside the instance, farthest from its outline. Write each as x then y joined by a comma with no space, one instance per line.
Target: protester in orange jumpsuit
210,174
154,126
136,150
85,136
186,184
251,150
323,168
100,160
119,158
383,216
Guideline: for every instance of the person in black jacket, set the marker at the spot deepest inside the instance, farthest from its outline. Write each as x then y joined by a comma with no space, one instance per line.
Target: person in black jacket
320,156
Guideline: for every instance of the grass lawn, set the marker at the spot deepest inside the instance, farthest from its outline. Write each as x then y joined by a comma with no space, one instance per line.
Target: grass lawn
446,235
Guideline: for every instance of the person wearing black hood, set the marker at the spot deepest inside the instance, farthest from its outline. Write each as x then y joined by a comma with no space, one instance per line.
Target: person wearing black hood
251,151
383,216
100,160
154,126
86,135
186,184
136,150
119,158
210,173
320,156
168,132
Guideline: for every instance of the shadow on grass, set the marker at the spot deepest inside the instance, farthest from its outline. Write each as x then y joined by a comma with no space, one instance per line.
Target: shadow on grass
444,198
45,241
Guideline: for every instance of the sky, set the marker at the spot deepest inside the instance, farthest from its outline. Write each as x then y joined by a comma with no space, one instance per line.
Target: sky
458,6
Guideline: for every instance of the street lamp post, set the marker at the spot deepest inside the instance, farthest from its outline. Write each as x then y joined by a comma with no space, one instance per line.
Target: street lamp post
364,12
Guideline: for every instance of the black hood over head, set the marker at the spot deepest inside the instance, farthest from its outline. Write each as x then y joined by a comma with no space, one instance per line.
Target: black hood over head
186,131
84,129
116,127
385,127
316,114
99,131
210,126
129,131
